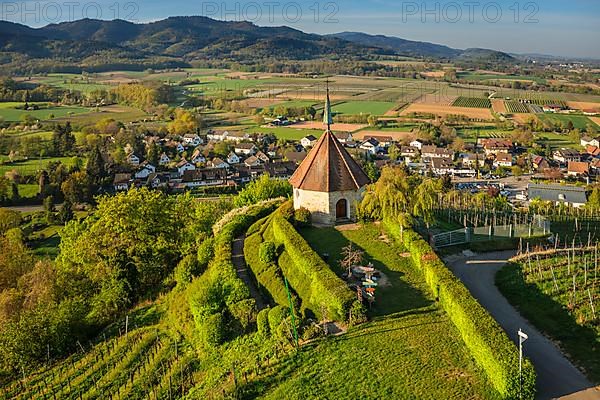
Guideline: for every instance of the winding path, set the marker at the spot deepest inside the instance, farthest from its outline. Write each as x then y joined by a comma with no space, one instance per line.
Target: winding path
556,375
239,262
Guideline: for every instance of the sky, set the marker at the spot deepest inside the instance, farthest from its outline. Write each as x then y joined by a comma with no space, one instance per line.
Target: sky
558,27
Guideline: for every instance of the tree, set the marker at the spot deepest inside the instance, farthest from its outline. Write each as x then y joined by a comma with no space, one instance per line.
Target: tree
183,122
49,209
43,183
8,220
77,188
350,258
153,155
95,167
394,152
263,188
66,212
425,200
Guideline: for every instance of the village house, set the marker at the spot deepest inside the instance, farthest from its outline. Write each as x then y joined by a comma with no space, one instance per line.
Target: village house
252,161
436,152
192,140
564,156
295,156
503,160
217,136
539,163
441,166
589,141
409,152
308,141
217,163
122,182
417,144
245,149
262,157
371,145
145,171
158,180
237,137
578,169
133,159
164,159
183,166
496,146
344,137
592,151
282,170
384,141
198,157
233,159
470,160
204,177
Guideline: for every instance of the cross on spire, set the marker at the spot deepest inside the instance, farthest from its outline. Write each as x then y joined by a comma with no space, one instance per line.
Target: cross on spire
327,116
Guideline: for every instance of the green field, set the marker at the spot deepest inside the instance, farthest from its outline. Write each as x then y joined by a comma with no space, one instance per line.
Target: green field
542,289
30,167
72,82
579,121
555,140
9,113
363,107
473,102
477,77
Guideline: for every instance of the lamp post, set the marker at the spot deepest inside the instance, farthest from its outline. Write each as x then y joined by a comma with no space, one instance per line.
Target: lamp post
522,338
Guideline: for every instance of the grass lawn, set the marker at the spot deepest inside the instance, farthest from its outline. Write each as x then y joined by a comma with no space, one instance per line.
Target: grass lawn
556,140
31,166
552,308
363,107
28,190
579,121
13,114
410,349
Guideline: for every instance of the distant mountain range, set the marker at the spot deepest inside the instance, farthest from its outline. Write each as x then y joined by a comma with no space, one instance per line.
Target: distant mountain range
182,39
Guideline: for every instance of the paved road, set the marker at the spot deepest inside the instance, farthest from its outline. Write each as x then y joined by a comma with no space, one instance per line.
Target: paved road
556,375
239,262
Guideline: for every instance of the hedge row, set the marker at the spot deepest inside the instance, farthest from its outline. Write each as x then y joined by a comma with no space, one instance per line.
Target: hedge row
268,276
487,342
218,300
316,284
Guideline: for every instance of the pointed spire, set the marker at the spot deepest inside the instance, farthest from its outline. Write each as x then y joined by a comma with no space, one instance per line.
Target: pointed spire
327,116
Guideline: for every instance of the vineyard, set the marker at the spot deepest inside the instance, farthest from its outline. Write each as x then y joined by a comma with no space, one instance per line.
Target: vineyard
543,102
472,102
515,107
143,364
559,291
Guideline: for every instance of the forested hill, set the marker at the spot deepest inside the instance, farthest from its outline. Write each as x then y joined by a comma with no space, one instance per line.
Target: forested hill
176,41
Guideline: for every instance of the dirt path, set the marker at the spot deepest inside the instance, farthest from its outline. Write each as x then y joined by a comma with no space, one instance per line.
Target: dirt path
556,375
244,274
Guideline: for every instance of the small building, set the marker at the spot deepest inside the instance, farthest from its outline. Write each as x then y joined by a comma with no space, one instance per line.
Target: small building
233,159
441,166
145,171
329,182
263,157
245,149
589,141
436,152
344,137
496,146
122,182
217,163
370,145
565,156
183,166
578,169
133,159
384,141
164,159
308,141
204,177
573,196
539,163
593,151
217,136
417,144
252,161
198,157
470,160
503,160
192,140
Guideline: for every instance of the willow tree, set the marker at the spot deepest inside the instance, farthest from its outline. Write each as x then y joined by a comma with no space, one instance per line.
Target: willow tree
425,200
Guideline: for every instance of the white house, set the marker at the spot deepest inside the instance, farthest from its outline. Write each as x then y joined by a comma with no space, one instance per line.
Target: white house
263,157
416,144
184,165
192,139
197,157
145,172
588,141
503,160
121,182
371,145
217,163
164,159
133,159
218,136
245,149
252,161
308,141
233,158
180,148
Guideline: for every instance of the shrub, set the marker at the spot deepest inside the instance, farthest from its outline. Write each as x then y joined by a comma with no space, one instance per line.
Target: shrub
184,272
205,253
267,252
287,210
312,331
212,331
262,322
302,217
488,343
244,312
276,316
313,280
358,314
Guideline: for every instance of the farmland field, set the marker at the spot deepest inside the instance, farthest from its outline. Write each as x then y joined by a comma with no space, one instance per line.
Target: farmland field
288,133
363,107
579,121
472,102
515,107
481,77
30,167
9,113
475,113
560,294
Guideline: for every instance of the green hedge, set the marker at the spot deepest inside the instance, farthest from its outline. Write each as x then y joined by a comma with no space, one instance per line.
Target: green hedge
313,280
487,342
219,291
